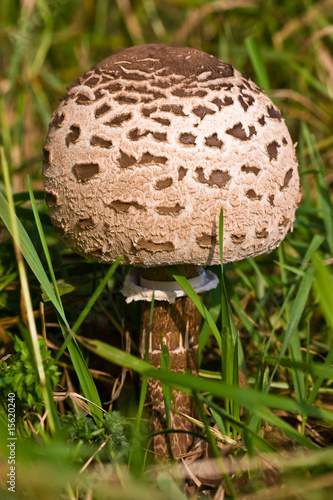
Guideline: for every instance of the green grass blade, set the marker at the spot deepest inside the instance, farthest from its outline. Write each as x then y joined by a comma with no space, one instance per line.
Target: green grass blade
295,344
324,289
183,282
323,285
43,241
89,305
298,375
213,445
261,281
257,60
206,331
227,363
85,378
96,294
167,392
227,357
226,320
115,355
144,386
315,369
257,402
79,363
218,412
138,421
166,365
295,314
327,364
229,354
235,380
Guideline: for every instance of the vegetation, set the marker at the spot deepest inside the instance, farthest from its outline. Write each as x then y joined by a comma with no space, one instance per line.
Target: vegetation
67,341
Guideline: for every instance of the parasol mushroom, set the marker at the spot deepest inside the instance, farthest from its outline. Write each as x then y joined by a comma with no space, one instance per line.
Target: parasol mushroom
141,155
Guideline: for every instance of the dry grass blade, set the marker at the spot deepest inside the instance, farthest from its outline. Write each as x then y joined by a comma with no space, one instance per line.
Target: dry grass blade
77,400
119,383
215,432
88,462
295,96
328,30
191,476
132,22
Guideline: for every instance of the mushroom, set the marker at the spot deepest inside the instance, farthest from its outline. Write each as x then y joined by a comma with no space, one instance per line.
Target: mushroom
143,152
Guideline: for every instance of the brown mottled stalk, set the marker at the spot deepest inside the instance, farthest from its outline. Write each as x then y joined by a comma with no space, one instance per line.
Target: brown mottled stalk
178,325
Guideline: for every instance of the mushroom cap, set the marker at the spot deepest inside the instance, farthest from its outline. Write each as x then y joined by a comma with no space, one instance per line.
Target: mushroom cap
148,146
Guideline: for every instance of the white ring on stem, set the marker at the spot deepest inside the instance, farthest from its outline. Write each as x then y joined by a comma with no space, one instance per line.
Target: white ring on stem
138,288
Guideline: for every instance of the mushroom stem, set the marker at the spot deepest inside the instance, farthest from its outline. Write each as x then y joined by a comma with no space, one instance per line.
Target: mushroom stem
177,326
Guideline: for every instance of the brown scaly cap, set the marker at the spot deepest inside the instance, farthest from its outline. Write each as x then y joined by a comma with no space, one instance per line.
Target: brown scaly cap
148,146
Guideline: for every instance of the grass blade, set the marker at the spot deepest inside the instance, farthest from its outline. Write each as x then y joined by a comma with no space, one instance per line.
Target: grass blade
167,392
89,305
205,332
203,417
295,314
144,388
324,289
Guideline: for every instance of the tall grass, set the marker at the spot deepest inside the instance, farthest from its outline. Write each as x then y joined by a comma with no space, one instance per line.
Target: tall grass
271,317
